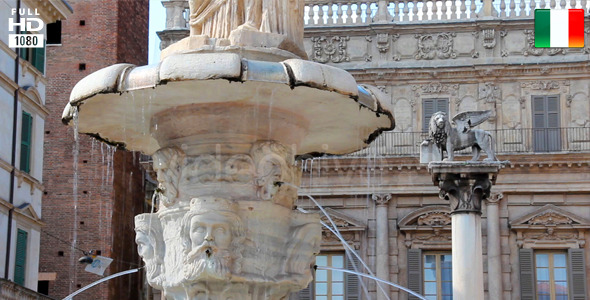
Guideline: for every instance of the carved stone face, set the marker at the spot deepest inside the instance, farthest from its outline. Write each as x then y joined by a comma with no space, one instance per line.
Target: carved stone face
211,230
145,246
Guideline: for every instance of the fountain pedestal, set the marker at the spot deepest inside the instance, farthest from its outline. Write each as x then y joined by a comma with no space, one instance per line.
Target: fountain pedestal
223,126
465,185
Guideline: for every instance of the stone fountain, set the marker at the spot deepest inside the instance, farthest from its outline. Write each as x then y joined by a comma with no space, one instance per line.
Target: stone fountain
224,115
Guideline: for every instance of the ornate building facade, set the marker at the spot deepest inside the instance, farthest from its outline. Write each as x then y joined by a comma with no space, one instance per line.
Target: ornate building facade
433,56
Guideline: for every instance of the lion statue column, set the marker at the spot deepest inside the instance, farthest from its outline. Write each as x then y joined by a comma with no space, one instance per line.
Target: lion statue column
442,136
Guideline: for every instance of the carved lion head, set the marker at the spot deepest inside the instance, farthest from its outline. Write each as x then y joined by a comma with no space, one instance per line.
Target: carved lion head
439,127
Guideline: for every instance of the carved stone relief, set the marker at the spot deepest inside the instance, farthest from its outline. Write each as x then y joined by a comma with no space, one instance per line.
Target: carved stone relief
150,246
465,195
167,164
549,226
579,106
435,88
530,48
438,45
434,219
330,49
490,92
544,84
489,38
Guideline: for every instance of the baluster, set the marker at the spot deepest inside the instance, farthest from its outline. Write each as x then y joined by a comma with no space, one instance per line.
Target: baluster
321,20
424,10
311,15
339,13
533,5
573,3
331,14
414,10
502,9
443,9
435,10
349,13
406,11
463,8
552,4
584,5
359,12
396,14
542,4
522,9
453,9
562,4
369,13
472,8
512,9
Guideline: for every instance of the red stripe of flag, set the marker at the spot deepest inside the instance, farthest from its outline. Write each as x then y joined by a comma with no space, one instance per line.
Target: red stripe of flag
576,28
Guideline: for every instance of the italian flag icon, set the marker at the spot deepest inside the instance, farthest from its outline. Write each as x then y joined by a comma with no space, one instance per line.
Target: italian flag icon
559,28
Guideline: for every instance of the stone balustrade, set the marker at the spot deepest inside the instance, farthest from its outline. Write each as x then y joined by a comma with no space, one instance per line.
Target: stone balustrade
355,13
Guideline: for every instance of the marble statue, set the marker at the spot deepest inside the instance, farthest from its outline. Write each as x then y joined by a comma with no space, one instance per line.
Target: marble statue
219,18
213,237
150,246
444,137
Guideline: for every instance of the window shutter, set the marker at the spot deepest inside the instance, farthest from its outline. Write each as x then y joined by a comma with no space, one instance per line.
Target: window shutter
577,274
304,294
25,146
39,59
353,291
21,257
553,134
527,274
415,272
428,109
442,105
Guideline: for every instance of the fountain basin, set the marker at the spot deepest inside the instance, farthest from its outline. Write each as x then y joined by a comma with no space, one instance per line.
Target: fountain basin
309,106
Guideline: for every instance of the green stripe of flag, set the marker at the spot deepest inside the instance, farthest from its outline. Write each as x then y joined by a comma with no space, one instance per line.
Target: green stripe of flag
542,28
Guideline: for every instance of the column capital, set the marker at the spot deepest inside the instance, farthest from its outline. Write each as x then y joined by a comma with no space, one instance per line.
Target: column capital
494,198
381,199
464,184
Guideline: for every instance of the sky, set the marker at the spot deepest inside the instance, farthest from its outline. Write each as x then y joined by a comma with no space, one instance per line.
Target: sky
157,23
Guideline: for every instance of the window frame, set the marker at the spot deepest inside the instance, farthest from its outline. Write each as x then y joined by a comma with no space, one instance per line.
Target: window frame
438,270
551,267
329,281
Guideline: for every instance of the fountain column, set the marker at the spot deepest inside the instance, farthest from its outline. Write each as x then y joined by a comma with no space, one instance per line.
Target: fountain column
465,185
494,254
382,243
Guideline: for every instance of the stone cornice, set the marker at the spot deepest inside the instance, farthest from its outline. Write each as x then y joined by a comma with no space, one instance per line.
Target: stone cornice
31,97
7,50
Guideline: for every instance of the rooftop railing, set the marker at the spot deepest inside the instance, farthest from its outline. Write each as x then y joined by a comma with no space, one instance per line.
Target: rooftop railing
356,13
506,141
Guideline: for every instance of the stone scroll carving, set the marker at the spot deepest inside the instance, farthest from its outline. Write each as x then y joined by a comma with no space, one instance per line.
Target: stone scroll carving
330,49
444,137
150,246
431,46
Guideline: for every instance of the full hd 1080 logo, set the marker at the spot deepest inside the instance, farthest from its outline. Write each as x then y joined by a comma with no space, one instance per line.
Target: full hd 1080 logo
24,22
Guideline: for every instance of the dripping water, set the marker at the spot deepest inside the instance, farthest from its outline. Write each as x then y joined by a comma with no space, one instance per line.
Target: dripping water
75,154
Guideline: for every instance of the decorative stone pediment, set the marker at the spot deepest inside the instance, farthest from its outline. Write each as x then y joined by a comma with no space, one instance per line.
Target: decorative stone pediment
349,228
26,210
550,226
428,227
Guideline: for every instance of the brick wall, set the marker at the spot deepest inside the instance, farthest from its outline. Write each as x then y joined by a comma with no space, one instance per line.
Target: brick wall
109,186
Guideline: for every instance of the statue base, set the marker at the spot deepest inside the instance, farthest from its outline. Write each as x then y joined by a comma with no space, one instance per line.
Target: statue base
250,44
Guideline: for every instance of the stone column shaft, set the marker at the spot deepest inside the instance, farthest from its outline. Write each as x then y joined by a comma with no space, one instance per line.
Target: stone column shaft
494,253
382,242
467,257
466,185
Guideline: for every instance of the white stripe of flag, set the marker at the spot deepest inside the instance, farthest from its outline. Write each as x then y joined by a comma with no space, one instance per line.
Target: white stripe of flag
559,28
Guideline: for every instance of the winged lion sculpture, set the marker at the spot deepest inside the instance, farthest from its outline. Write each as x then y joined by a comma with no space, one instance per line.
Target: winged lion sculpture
450,139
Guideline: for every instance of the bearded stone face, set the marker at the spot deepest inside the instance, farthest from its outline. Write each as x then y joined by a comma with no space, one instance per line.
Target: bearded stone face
145,247
210,238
